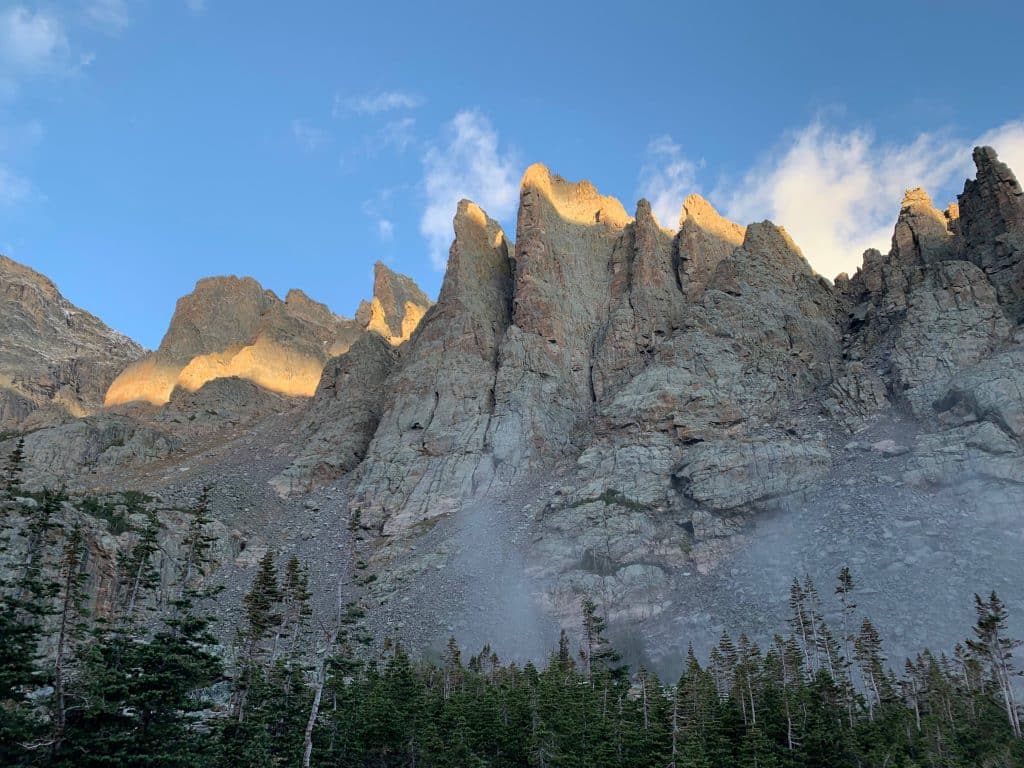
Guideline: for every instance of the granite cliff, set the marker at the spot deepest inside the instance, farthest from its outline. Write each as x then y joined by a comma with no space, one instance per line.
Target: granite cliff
56,360
664,419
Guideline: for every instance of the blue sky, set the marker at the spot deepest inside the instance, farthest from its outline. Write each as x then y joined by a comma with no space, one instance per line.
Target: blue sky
147,143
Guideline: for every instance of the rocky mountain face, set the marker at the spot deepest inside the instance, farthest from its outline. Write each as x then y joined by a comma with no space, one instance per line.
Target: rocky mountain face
649,416
56,360
231,327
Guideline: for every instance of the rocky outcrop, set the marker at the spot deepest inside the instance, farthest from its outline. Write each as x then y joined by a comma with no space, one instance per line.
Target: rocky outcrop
991,226
953,320
231,327
56,360
429,453
922,234
561,296
726,474
705,239
70,454
648,305
342,417
616,406
396,308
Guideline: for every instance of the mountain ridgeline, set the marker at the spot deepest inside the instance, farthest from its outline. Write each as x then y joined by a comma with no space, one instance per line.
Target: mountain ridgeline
655,419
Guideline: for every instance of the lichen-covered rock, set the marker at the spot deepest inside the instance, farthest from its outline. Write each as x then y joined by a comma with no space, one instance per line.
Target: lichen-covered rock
68,454
992,390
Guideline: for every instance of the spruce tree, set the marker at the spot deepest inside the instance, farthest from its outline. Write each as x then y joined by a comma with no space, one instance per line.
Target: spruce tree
10,480
993,648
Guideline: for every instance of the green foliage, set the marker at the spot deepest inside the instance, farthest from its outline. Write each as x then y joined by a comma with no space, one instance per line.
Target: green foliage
148,689
114,510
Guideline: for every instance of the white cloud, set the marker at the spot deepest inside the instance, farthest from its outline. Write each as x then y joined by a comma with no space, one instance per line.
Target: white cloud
374,104
30,44
469,166
838,193
111,14
196,6
13,188
666,179
309,137
385,230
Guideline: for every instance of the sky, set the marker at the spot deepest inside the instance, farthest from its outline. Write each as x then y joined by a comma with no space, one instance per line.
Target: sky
147,143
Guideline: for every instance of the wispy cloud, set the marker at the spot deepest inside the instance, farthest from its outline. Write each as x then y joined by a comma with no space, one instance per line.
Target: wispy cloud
468,165
31,44
13,188
666,178
196,6
376,103
836,191
309,137
399,133
111,15
377,209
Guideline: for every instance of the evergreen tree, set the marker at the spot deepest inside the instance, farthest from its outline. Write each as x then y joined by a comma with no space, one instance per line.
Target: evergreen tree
600,655
10,480
993,648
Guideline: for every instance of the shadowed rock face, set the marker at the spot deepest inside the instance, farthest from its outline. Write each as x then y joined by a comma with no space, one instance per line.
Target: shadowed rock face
992,228
56,360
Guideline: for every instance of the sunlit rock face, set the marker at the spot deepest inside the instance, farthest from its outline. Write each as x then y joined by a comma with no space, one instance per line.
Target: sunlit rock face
56,360
397,306
231,327
566,234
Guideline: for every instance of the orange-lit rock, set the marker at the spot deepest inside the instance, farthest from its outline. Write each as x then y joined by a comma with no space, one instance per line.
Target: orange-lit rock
232,327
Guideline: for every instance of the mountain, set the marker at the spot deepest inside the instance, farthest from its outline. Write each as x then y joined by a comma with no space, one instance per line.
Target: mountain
674,422
231,327
56,360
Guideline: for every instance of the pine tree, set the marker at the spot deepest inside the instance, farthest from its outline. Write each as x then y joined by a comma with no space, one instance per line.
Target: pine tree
262,617
140,690
868,653
10,480
295,607
21,673
600,656
993,648
71,628
140,572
